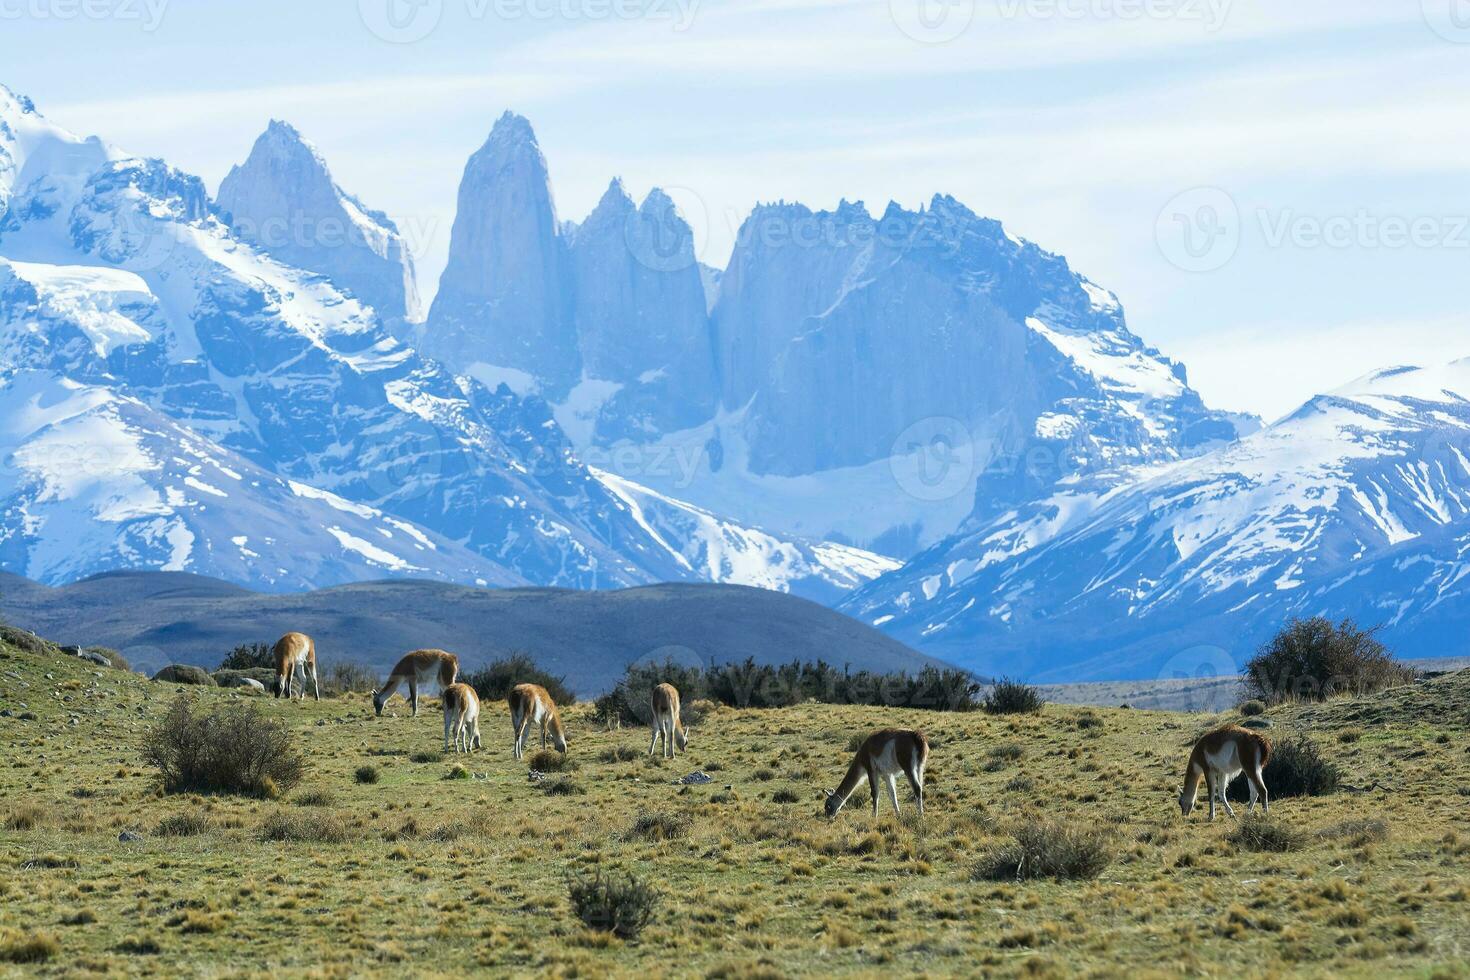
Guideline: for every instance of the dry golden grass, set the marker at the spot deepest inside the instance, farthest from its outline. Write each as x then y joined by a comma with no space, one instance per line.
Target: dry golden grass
416,873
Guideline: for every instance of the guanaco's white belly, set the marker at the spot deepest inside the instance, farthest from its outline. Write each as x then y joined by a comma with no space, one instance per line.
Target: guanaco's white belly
1226,760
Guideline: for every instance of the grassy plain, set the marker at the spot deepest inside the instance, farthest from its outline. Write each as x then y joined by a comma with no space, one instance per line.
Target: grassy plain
423,873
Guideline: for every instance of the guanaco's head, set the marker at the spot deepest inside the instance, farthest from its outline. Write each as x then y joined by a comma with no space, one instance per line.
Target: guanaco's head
378,702
559,736
681,737
833,803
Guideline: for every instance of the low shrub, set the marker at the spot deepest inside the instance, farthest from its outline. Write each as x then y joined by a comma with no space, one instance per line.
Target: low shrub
1358,832
1008,697
549,760
367,775
494,681
348,677
316,797
427,756
248,655
305,826
619,753
232,749
1252,708
1258,832
562,787
658,826
753,685
620,904
26,816
1043,848
184,824
785,795
27,947
1315,659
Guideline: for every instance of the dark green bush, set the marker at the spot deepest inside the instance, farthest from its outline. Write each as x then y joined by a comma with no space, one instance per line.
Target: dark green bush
753,685
620,904
1252,708
1296,768
1315,659
367,775
232,749
494,681
1008,697
249,655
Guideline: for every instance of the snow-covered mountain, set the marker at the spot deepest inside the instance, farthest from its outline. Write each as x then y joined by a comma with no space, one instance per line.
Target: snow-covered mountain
721,551
1358,504
868,380
283,200
94,480
118,273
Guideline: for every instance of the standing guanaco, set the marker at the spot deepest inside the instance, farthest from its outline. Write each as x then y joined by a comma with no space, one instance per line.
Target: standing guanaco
531,705
884,755
461,717
1219,757
295,653
416,669
666,723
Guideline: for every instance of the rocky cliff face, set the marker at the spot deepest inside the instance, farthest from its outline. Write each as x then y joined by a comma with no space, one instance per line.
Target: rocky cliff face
283,200
641,322
120,280
503,298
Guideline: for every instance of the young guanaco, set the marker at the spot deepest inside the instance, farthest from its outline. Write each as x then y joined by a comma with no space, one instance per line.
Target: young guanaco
461,717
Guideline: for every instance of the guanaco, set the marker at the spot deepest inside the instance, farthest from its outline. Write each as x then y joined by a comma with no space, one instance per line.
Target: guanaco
461,717
295,653
666,723
531,705
1219,757
883,755
416,669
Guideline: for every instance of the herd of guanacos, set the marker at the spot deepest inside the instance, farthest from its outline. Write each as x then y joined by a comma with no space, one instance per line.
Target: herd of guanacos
1218,756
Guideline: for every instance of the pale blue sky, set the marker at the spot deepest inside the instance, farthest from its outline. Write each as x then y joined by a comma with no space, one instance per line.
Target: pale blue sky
1085,125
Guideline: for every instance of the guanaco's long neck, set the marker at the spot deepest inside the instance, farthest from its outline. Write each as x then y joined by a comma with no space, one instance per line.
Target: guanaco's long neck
856,773
553,721
1193,773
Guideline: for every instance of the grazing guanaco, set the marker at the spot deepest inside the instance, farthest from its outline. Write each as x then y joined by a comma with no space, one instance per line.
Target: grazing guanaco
461,717
531,705
295,653
1219,757
666,723
416,669
883,756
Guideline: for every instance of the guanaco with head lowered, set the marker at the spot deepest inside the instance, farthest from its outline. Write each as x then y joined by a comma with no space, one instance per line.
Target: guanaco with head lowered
295,653
461,717
531,705
417,669
1219,757
883,756
666,722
